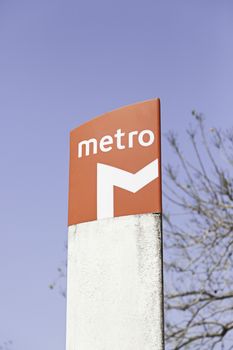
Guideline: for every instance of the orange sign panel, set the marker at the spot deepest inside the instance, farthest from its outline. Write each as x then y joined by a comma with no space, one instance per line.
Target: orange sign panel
115,164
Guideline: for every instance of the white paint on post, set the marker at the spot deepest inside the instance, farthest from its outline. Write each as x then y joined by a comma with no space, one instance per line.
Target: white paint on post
114,298
109,176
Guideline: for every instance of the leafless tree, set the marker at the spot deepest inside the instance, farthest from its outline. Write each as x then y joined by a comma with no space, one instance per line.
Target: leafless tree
198,240
59,282
6,345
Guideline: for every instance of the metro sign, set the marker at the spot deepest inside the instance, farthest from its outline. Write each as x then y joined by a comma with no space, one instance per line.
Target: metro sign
115,165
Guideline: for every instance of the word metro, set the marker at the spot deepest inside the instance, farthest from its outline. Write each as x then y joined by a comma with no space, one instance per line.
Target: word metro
145,138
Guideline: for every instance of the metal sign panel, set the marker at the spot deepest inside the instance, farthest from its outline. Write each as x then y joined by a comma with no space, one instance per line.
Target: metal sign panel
115,165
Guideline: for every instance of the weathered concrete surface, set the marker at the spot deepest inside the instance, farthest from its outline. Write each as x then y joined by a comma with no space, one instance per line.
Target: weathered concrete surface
114,299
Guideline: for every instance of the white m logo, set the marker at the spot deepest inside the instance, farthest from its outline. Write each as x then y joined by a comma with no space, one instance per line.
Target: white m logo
108,177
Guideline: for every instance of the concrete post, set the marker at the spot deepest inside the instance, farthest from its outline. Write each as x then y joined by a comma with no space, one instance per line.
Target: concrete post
115,297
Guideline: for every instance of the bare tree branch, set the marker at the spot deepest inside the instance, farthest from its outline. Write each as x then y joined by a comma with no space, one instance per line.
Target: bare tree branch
198,245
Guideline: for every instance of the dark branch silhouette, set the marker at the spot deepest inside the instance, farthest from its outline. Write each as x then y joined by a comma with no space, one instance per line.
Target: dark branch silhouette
198,241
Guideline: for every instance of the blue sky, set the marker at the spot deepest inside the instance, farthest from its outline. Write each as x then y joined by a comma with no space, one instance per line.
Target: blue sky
62,63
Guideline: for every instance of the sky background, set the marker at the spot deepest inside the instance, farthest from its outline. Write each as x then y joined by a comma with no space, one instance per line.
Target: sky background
62,63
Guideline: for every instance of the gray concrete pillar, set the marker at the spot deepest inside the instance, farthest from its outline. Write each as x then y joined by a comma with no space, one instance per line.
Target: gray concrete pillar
115,297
